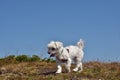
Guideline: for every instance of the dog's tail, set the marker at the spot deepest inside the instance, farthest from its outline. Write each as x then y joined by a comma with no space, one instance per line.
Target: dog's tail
80,44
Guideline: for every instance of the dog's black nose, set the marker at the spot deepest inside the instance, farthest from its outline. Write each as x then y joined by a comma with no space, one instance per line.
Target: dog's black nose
48,52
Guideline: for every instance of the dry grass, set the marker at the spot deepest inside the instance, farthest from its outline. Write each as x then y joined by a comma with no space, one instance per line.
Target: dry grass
42,70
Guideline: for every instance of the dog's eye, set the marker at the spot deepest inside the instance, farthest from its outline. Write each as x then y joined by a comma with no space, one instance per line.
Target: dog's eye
52,49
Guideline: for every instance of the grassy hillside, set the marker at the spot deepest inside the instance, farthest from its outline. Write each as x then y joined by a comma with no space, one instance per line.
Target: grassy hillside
35,68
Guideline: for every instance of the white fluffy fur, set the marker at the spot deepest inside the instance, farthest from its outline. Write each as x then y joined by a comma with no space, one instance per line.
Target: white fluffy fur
67,55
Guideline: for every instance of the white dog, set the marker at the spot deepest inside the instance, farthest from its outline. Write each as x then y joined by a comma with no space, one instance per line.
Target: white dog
67,55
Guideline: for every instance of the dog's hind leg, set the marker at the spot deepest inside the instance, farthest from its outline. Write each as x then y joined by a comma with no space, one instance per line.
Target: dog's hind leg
78,66
81,67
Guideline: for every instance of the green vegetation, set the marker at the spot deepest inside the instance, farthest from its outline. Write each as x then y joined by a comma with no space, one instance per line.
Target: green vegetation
23,58
25,67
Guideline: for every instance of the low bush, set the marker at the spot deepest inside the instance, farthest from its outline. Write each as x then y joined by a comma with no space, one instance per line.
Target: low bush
22,58
34,58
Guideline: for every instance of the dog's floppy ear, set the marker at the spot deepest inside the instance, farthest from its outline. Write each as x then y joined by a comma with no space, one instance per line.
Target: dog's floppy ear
58,44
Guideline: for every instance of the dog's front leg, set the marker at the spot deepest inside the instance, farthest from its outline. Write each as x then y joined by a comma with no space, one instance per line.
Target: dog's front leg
59,70
59,67
68,65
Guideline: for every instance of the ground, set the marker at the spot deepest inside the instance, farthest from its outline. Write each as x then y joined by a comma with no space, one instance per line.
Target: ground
42,70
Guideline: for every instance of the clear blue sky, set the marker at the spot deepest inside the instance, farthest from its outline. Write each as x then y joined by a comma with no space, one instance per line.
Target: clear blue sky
27,26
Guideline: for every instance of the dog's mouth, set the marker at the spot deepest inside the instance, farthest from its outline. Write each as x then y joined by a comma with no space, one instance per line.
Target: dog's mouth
52,55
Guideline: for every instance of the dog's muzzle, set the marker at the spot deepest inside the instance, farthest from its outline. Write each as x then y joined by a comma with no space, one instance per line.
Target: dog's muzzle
51,55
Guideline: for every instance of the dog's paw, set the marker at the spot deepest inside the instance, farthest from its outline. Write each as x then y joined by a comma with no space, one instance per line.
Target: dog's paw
58,72
75,70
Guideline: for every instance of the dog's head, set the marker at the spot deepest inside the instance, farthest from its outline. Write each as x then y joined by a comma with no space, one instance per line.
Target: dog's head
54,47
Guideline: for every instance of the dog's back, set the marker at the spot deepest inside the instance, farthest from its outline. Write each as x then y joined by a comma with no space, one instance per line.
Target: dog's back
76,52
